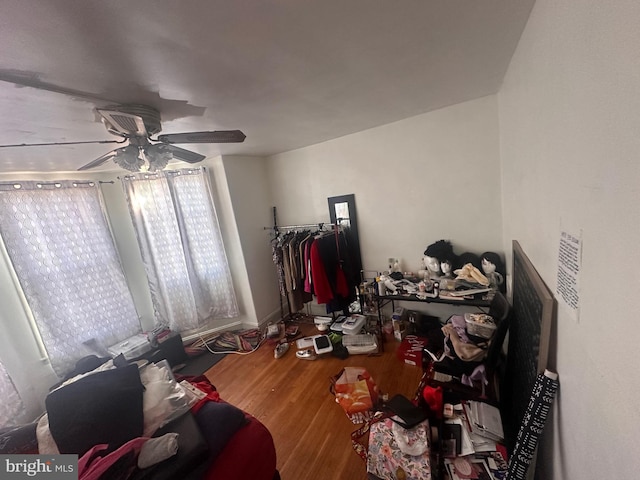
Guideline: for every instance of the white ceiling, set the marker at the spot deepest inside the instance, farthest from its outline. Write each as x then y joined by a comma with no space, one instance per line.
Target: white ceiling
288,73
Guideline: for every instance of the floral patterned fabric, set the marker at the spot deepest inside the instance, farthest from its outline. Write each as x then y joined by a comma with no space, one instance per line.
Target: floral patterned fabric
385,458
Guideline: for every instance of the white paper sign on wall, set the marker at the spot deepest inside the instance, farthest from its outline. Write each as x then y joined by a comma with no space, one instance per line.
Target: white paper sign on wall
569,265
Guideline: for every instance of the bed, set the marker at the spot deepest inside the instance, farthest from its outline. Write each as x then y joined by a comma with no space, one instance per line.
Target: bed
109,417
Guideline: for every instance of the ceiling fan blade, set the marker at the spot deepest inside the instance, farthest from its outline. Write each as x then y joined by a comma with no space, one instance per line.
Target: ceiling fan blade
218,136
99,161
31,79
185,155
50,144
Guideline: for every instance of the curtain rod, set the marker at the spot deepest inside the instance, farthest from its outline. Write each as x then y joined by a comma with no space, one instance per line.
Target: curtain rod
55,183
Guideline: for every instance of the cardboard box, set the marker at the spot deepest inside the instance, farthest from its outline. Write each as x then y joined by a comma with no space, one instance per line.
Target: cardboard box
132,347
410,350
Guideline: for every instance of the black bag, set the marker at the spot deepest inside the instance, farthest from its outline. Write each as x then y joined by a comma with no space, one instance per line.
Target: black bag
409,414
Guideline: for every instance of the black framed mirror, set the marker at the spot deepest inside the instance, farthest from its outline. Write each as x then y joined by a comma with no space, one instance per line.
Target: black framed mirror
342,212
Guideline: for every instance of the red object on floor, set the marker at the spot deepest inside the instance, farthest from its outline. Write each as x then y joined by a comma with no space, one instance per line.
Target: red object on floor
410,350
433,397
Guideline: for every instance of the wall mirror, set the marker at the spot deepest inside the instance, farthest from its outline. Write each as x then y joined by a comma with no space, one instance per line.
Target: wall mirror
342,211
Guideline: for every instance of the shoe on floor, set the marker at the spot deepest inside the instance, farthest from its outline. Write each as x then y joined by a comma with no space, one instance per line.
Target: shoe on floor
280,350
306,354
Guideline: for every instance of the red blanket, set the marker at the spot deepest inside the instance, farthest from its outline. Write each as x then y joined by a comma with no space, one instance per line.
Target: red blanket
250,453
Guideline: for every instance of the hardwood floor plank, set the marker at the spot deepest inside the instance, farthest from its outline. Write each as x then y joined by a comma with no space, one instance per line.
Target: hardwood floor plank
291,397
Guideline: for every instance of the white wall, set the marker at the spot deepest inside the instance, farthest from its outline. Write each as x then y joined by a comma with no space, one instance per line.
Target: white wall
569,139
430,177
251,204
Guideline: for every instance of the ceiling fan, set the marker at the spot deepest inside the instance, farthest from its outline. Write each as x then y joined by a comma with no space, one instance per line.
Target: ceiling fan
136,124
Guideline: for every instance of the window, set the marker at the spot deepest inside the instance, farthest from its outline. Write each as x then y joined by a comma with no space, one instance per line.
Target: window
182,249
61,249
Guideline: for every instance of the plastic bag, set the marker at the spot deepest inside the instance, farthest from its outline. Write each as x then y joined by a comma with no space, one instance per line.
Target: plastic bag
357,393
164,399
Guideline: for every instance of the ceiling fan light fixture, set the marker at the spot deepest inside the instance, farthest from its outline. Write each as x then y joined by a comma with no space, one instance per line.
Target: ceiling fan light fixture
158,157
129,158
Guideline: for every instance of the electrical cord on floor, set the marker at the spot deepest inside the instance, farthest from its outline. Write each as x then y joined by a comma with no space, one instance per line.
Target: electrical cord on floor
205,344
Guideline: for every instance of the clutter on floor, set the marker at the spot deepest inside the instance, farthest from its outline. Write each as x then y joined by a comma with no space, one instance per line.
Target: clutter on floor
241,341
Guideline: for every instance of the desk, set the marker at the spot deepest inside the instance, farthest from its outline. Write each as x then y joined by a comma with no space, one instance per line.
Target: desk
382,300
466,302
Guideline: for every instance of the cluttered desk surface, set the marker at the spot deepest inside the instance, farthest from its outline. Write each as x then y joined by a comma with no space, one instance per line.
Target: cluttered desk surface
461,290
471,301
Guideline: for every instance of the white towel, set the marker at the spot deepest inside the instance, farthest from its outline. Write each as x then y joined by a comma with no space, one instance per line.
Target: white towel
158,449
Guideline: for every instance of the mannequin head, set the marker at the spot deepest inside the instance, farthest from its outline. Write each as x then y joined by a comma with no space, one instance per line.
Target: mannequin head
491,262
493,268
432,264
488,267
439,258
446,267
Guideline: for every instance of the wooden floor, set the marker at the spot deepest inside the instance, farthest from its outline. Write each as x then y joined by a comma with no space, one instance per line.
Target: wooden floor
291,397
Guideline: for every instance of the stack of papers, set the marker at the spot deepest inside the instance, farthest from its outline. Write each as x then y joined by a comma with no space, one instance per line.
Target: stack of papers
485,420
470,443
489,466
476,428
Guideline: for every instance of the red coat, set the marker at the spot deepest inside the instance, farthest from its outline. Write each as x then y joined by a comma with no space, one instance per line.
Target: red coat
321,282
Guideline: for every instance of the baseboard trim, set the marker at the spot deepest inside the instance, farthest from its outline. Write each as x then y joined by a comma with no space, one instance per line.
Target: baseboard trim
221,328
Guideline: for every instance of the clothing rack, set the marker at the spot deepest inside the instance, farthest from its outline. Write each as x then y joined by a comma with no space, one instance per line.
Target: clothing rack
304,225
320,226
276,230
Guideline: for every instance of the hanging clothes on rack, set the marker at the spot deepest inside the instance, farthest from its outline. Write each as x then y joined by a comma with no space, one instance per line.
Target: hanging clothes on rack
278,260
295,269
289,257
311,261
331,271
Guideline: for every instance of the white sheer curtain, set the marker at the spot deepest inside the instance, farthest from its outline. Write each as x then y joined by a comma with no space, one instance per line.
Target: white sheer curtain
181,244
64,256
11,406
